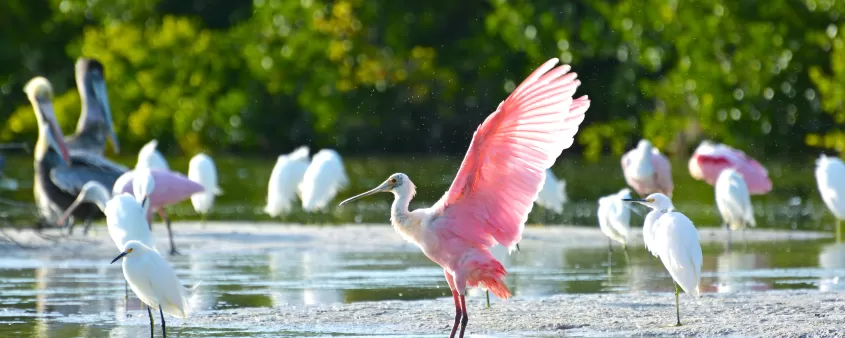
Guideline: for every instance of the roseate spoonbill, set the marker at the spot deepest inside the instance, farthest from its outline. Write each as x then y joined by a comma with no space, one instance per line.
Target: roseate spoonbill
615,218
733,201
709,159
553,194
172,188
647,170
284,181
322,180
829,175
150,158
95,125
59,174
496,185
670,235
201,169
154,282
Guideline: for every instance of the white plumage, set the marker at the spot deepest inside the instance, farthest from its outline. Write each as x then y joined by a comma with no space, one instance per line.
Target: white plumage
323,179
830,175
733,200
553,194
615,216
201,169
150,158
153,280
670,235
284,181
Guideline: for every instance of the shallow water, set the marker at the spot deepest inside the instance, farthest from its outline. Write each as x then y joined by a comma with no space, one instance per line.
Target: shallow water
60,294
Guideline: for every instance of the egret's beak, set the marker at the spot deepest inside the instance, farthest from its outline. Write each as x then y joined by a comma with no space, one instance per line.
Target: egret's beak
638,200
384,187
102,97
144,201
118,257
54,133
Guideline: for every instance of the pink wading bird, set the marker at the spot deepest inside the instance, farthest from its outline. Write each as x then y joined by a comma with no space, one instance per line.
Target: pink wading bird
496,186
170,188
647,170
709,159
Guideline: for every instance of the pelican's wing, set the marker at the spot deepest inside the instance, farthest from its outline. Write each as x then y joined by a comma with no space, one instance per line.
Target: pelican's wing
680,250
663,172
84,168
505,165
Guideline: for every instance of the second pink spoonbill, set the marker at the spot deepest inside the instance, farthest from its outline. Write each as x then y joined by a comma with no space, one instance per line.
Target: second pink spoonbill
709,159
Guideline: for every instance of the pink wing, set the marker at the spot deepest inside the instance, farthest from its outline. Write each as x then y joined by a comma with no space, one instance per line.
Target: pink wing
709,160
663,172
170,187
505,166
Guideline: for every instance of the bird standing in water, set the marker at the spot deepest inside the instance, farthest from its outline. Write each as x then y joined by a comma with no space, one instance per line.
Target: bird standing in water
670,235
201,169
615,220
734,201
829,176
497,183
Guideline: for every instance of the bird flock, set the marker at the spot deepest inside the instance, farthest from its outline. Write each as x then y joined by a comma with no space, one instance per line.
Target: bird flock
505,172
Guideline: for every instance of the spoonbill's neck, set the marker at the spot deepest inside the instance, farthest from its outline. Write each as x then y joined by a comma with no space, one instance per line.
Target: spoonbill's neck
399,214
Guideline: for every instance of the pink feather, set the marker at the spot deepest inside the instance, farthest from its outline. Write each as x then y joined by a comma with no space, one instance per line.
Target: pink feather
504,168
170,187
662,180
709,159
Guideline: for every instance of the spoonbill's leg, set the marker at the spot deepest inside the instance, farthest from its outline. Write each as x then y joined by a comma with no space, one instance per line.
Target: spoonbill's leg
677,307
458,313
464,320
169,231
152,320
163,327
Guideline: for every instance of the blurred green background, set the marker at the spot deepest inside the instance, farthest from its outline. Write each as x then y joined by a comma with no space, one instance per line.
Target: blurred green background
393,84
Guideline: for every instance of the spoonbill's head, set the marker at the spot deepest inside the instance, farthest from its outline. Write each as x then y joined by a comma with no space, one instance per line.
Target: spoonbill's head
40,94
91,79
130,248
399,184
656,201
92,192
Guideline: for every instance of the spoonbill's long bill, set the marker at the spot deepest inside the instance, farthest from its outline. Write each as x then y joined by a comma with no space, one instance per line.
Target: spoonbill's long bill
496,185
95,125
647,170
709,159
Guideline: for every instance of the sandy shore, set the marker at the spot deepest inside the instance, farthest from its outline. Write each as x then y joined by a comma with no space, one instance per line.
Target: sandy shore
757,314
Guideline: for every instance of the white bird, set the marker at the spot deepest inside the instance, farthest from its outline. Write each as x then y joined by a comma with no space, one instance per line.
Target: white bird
647,170
154,282
829,175
734,201
150,158
615,218
553,194
670,235
201,169
284,181
323,179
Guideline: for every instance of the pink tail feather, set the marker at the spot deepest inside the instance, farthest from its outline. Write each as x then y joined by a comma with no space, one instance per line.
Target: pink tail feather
490,273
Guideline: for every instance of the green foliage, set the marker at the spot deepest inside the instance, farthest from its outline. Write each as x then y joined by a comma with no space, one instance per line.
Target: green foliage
387,76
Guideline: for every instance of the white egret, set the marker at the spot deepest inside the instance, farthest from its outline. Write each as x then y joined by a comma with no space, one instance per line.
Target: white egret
201,169
734,201
670,235
553,194
284,181
829,175
154,282
615,218
150,158
323,179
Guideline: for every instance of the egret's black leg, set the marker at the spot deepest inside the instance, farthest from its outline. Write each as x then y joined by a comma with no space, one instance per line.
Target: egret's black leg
677,307
152,321
517,246
163,326
488,298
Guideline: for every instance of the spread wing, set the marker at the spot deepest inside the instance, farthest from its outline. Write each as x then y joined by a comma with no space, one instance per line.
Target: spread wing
85,167
505,165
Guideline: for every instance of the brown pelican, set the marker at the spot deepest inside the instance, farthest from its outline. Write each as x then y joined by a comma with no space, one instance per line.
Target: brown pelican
95,122
60,174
